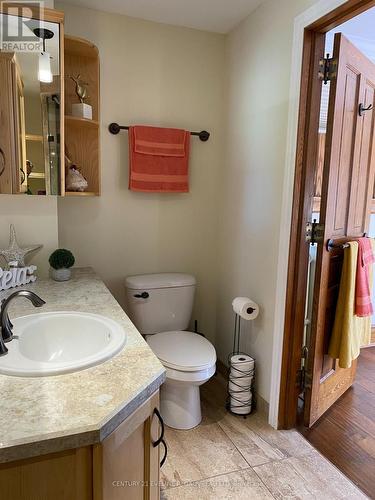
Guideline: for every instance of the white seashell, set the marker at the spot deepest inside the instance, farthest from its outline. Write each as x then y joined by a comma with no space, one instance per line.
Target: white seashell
75,180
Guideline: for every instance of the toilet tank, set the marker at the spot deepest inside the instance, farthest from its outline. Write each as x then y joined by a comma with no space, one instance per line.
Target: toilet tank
160,302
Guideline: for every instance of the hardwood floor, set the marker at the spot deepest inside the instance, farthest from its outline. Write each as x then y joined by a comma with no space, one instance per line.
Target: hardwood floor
346,433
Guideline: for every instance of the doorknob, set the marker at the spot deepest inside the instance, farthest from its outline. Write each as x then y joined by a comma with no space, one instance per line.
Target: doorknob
362,109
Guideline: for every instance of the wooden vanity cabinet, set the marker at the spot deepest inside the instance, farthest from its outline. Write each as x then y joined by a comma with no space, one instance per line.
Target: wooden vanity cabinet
124,466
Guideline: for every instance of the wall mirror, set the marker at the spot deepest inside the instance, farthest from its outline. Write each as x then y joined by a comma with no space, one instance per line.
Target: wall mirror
30,106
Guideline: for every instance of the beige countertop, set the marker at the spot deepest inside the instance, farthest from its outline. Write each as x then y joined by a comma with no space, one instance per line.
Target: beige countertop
42,415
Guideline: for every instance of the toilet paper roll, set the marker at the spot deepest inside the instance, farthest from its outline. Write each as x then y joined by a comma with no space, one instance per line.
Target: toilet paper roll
246,308
239,384
240,381
239,398
237,406
242,364
243,410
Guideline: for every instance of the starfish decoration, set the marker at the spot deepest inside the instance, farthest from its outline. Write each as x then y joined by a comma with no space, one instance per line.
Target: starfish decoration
15,253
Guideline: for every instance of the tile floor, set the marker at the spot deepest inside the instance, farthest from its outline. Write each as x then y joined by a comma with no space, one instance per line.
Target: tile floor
228,457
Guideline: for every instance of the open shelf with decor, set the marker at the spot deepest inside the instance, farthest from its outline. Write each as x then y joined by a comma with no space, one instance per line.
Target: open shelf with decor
79,193
69,119
82,132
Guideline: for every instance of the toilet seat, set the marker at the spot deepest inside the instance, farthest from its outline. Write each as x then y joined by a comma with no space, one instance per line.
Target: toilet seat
194,378
183,351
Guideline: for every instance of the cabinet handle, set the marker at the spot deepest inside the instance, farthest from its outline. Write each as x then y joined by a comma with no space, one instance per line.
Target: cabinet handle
161,440
161,437
2,162
162,461
23,175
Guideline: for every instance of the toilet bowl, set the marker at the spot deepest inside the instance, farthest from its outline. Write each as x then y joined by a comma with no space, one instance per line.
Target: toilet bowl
190,361
160,305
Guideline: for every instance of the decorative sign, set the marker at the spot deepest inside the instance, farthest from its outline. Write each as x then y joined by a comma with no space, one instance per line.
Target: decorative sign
17,276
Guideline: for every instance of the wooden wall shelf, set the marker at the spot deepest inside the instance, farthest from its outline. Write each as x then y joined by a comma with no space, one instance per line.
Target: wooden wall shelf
79,193
76,120
81,47
82,136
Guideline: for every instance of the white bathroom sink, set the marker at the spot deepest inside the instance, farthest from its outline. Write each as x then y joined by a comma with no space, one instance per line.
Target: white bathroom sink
60,342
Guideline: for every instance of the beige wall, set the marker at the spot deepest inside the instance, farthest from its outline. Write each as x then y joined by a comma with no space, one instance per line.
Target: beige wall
258,66
226,231
158,75
35,220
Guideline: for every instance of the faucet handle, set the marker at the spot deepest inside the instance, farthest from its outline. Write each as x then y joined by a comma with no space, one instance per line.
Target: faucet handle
6,326
7,315
3,348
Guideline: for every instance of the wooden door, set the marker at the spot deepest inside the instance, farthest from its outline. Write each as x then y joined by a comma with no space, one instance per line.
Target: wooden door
347,186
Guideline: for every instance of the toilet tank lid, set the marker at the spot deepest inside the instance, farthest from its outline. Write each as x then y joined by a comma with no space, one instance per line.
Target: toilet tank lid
162,280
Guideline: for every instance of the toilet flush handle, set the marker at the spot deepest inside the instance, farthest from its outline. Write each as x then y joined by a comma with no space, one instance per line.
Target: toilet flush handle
143,295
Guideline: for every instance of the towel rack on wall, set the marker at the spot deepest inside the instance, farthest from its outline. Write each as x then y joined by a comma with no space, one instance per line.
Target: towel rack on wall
115,128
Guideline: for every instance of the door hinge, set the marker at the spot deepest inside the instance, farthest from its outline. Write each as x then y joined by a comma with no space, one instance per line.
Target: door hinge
308,380
327,69
300,379
303,377
314,232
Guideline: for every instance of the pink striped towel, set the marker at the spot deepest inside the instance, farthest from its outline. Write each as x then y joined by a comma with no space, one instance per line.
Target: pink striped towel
158,159
363,304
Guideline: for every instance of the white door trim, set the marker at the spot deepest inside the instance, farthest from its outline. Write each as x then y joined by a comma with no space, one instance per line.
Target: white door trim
308,17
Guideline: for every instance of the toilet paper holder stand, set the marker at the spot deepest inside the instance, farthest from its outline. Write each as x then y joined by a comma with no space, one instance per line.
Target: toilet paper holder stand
240,390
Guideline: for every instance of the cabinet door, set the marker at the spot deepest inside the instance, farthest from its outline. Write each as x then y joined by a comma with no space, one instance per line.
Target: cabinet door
126,464
66,475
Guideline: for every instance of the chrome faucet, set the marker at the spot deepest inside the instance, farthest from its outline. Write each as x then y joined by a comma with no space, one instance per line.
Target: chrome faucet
6,334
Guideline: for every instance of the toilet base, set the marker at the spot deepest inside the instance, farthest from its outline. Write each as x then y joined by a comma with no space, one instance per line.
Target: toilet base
180,405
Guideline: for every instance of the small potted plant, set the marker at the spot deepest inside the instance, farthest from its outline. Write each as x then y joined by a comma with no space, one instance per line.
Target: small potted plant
61,260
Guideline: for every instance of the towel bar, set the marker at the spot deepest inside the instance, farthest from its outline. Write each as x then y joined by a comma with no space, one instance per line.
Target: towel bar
115,128
332,246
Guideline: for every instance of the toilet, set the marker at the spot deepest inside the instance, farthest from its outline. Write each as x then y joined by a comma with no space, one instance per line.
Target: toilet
160,306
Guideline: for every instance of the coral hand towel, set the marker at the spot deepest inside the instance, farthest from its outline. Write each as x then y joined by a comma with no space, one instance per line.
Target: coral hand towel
363,305
158,159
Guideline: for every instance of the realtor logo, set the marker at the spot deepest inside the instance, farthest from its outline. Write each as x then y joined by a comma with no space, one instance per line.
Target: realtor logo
17,23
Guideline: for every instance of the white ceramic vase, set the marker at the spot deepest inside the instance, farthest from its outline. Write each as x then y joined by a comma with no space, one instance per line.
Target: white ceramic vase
63,274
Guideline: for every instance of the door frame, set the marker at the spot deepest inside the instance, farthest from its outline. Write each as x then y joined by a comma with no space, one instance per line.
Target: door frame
292,268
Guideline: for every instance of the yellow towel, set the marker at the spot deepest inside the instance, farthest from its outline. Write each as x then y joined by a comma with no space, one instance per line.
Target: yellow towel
350,332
